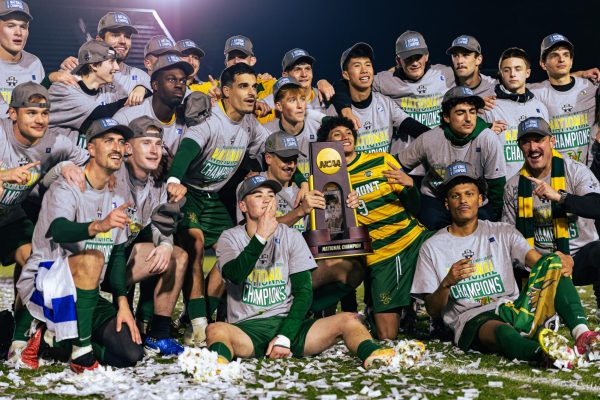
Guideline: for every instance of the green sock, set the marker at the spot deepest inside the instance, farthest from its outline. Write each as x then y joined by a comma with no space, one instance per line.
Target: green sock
213,304
366,348
221,350
145,306
22,323
84,306
196,308
98,351
513,345
568,305
328,295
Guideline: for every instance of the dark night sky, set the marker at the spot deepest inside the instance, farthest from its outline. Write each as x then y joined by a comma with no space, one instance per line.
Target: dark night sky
325,28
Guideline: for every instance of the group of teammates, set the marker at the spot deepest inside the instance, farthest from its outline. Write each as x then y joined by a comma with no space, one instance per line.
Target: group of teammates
115,176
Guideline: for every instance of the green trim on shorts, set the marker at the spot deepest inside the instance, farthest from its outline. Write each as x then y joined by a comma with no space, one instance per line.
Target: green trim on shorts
262,330
391,279
12,236
468,337
205,211
103,312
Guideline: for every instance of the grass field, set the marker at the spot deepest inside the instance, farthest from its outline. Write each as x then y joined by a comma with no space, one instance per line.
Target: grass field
445,373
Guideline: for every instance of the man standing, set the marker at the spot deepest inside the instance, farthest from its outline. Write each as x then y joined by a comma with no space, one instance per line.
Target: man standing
466,61
193,54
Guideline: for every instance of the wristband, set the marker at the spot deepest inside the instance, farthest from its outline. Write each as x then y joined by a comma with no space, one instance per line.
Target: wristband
282,341
172,179
261,239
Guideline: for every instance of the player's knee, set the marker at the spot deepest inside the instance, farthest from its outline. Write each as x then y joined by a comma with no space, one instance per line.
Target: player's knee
349,320
89,264
180,257
22,254
215,329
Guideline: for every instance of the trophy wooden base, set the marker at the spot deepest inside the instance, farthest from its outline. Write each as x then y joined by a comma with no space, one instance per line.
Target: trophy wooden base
321,246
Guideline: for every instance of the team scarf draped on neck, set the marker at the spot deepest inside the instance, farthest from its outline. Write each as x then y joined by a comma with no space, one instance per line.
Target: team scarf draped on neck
525,223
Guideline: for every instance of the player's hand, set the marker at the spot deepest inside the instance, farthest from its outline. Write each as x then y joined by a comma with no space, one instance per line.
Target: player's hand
117,218
69,64
267,223
19,175
489,102
311,200
326,90
136,97
159,258
352,200
265,76
261,108
176,192
567,263
460,270
73,175
543,190
277,351
250,174
347,113
396,176
303,190
593,74
214,92
124,316
63,77
499,126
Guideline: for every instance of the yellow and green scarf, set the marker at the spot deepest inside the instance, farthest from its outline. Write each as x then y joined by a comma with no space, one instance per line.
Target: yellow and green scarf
525,223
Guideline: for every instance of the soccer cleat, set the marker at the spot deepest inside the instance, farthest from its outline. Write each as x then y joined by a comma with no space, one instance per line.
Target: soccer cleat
167,346
86,362
14,351
30,355
382,356
588,345
221,362
195,334
557,352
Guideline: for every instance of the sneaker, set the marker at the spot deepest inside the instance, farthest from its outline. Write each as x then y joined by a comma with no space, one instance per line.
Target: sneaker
86,362
30,355
167,346
588,345
14,351
195,333
382,356
557,352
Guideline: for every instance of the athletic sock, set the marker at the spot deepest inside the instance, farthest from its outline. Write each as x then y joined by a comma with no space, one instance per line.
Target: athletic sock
145,306
196,308
23,321
213,304
84,306
366,348
513,345
579,330
568,305
221,350
328,295
85,360
160,327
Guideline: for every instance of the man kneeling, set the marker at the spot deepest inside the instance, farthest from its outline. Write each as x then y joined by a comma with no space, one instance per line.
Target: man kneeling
266,266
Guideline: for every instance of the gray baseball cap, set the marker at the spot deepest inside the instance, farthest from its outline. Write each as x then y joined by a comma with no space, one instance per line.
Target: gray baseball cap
283,82
197,107
170,61
293,56
93,51
239,42
14,6
158,45
188,46
461,169
115,20
365,47
411,43
465,42
23,92
535,125
165,217
553,40
463,92
104,125
254,182
282,144
146,126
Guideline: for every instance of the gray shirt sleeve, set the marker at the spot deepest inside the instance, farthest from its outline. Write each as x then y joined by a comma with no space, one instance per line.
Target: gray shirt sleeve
300,257
413,155
425,280
495,165
509,212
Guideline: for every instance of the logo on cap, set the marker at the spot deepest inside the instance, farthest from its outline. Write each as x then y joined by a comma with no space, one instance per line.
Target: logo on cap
165,42
108,122
122,18
237,42
457,169
172,59
289,142
557,38
530,123
188,43
412,42
257,179
467,91
461,40
298,53
87,56
15,4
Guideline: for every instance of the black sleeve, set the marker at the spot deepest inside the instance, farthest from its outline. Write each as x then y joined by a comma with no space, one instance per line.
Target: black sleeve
584,206
410,127
106,110
341,99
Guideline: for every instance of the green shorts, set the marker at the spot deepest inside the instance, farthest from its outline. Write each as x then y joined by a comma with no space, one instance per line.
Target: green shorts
13,236
468,338
205,211
391,279
262,330
103,312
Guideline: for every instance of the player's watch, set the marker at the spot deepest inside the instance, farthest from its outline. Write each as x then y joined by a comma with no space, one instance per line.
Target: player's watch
563,196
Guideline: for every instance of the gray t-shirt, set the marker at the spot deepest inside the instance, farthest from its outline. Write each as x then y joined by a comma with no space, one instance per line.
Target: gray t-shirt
28,69
49,150
571,116
172,132
513,112
493,247
223,144
267,289
3,108
124,81
580,181
486,87
435,152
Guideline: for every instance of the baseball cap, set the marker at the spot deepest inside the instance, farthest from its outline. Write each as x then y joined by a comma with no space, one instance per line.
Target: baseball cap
366,48
463,92
410,43
166,217
14,6
197,107
115,20
282,144
146,126
23,92
93,51
535,125
103,125
553,40
461,169
293,56
239,42
187,46
158,45
283,82
170,61
254,182
465,42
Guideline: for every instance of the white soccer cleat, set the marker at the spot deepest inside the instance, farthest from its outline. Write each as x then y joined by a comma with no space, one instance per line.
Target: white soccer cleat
195,333
14,352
